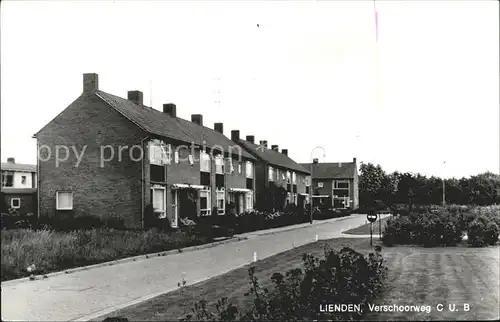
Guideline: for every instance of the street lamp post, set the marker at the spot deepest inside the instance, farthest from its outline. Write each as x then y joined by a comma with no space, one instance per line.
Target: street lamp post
311,183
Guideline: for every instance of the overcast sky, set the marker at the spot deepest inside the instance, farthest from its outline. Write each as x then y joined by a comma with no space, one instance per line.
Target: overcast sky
305,78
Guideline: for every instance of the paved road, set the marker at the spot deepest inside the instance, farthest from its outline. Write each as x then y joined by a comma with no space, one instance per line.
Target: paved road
84,295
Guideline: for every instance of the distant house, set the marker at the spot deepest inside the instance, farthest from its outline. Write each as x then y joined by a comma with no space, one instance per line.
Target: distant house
335,184
276,168
19,186
130,158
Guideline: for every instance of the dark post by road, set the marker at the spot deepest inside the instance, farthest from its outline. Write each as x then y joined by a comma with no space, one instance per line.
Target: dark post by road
310,195
371,236
379,227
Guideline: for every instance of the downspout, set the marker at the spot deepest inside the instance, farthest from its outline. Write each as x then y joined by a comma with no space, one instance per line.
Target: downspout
142,182
37,174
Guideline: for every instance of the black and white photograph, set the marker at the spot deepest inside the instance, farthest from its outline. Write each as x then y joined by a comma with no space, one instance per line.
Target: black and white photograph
308,160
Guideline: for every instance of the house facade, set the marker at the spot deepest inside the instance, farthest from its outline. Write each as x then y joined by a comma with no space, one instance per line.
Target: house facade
335,184
19,186
112,157
275,169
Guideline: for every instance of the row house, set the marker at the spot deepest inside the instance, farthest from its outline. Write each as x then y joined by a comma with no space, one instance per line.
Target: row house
276,168
107,156
334,184
18,186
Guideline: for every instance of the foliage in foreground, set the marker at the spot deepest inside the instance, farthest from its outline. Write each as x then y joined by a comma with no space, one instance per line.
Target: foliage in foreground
53,251
344,276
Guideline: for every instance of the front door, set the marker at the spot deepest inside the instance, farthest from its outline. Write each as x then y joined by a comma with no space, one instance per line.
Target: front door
240,203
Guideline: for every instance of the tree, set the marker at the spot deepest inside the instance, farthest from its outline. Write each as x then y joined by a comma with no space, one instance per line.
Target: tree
371,182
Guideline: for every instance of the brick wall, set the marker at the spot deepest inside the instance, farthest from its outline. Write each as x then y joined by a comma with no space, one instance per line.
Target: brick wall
112,190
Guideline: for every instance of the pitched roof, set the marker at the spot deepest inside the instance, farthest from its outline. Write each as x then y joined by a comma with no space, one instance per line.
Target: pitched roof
162,124
333,170
18,167
273,157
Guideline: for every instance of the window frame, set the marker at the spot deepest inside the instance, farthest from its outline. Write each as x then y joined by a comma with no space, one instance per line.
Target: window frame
222,192
162,211
294,178
249,195
288,177
6,174
219,159
320,184
336,182
208,210
205,158
158,147
270,173
249,165
57,200
18,203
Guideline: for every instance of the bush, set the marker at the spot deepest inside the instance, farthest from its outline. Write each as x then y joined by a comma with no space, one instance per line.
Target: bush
482,231
341,277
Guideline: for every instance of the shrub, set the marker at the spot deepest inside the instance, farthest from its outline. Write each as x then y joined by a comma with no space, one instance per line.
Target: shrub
343,276
433,230
482,231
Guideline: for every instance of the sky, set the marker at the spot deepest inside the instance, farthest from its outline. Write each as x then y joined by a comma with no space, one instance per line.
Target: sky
306,77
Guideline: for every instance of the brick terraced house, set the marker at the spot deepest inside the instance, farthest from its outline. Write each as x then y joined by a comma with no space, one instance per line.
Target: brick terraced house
335,184
277,169
112,157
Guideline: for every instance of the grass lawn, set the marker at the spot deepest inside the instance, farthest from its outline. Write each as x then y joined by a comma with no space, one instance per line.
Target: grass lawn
53,251
365,229
417,276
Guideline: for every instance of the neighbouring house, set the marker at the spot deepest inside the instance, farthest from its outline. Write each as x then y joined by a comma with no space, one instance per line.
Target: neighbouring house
335,184
112,157
276,173
18,187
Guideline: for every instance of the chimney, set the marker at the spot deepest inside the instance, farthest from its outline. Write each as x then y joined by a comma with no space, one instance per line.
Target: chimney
11,160
197,118
219,127
135,96
264,143
315,160
284,151
90,82
170,109
235,135
354,160
274,148
251,138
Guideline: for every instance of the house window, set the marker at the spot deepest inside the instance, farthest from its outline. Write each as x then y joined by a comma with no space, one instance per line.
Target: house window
221,202
15,203
288,197
159,152
341,184
158,195
191,159
277,174
64,200
294,178
23,180
157,173
271,174
249,201
176,157
239,168
204,162
7,179
320,184
249,169
308,181
288,177
205,203
294,198
230,163
219,165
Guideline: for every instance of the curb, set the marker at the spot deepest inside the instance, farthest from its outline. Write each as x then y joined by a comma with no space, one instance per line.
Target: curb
128,259
294,227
